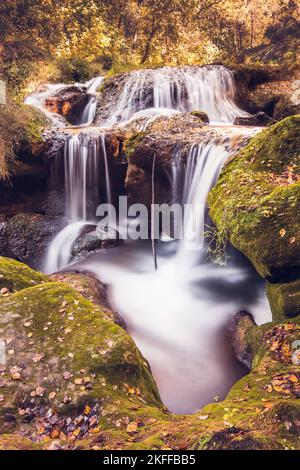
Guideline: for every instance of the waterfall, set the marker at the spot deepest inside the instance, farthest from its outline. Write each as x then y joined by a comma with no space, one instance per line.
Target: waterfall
106,168
81,175
89,111
38,100
204,164
83,182
176,315
210,89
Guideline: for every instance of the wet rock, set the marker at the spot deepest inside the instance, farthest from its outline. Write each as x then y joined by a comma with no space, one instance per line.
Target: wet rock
170,140
260,119
289,103
240,324
93,238
68,102
110,95
201,115
25,237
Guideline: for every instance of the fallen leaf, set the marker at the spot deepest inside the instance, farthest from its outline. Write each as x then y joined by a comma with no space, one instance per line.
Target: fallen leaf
132,427
282,232
16,376
76,432
40,391
67,375
37,358
203,417
54,434
4,290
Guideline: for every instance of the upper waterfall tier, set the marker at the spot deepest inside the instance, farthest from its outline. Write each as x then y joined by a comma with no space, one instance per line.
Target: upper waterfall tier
210,89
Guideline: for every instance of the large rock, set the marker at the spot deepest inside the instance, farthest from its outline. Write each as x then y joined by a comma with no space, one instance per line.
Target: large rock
278,98
67,362
25,237
170,140
260,119
93,238
284,299
256,202
240,324
68,102
90,288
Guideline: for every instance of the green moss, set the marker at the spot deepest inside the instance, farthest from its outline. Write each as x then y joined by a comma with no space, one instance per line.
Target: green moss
13,442
16,276
201,115
284,299
75,70
133,142
21,129
72,335
257,199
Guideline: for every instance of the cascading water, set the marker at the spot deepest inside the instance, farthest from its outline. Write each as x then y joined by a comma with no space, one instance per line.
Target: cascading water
82,185
205,162
89,111
177,314
210,89
38,100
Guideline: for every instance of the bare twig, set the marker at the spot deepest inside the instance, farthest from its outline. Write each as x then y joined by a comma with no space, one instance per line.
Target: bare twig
152,213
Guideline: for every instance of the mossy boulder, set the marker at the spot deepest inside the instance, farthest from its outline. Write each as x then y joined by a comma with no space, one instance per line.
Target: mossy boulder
257,200
16,276
64,352
284,299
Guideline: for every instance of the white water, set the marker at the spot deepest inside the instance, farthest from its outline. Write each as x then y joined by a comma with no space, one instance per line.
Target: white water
177,318
177,314
82,184
89,111
210,89
38,100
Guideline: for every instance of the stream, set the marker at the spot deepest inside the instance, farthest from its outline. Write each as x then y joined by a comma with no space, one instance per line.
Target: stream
179,314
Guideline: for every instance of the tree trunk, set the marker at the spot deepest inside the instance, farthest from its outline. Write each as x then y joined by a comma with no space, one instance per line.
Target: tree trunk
147,50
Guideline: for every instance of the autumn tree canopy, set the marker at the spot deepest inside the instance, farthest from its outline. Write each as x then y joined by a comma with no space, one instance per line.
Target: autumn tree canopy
138,32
